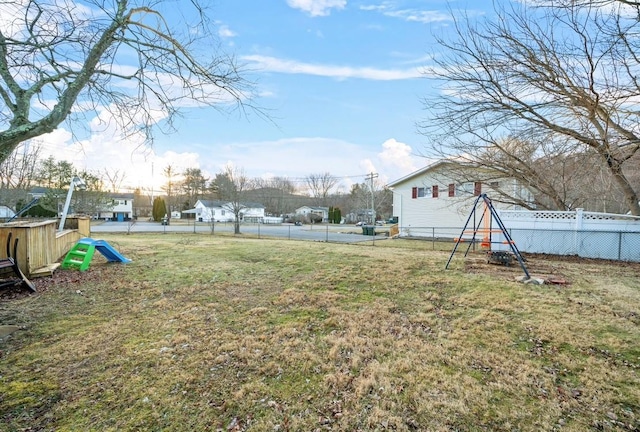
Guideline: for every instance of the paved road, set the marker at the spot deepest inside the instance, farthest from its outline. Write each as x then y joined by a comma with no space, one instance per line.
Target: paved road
337,233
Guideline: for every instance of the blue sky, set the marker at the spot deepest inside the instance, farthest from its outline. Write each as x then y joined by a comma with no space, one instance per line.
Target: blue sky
341,80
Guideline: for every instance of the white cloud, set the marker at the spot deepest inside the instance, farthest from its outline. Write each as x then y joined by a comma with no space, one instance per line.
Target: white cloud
411,15
273,64
108,149
397,157
317,7
225,32
424,17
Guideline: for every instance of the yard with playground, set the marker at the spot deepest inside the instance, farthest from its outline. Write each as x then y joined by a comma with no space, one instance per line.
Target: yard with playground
224,333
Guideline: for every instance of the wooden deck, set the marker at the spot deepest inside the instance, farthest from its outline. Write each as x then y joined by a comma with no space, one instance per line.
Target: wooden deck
41,246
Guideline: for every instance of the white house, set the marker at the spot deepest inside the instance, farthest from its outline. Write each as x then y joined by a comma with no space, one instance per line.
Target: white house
119,207
222,211
433,197
306,211
6,212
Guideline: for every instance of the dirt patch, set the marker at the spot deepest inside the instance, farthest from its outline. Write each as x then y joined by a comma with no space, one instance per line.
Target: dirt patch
555,269
60,277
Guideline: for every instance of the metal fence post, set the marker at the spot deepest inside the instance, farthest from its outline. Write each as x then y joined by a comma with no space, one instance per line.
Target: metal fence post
620,245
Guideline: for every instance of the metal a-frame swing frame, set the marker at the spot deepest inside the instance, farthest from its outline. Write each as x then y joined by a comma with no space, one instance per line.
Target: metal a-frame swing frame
494,217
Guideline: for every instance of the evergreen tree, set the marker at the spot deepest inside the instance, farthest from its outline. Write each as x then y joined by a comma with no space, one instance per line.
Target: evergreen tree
159,209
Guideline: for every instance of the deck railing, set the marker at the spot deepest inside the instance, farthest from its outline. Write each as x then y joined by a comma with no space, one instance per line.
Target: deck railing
40,245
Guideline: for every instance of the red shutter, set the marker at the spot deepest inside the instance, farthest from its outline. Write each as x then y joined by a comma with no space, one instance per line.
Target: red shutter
434,192
477,188
452,189
414,193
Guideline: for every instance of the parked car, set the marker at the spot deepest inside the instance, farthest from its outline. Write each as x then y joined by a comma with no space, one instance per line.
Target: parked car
360,223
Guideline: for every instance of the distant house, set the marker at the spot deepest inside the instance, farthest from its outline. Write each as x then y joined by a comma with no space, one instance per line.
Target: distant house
361,215
119,207
434,197
38,191
6,212
110,206
307,211
222,211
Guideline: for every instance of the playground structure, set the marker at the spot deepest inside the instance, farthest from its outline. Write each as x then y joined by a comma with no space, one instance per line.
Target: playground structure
81,254
484,226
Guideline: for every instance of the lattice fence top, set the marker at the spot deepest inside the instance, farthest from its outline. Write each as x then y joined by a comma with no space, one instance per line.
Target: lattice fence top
564,215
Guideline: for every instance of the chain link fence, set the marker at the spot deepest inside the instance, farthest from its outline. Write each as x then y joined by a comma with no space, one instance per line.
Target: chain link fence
612,245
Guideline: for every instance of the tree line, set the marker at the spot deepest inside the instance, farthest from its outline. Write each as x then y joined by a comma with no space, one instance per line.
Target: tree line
180,191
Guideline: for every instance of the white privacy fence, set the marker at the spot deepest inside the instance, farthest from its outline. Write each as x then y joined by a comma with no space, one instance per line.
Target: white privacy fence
586,234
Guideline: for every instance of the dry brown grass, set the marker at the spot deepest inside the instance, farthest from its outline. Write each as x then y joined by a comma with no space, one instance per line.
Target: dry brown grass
217,333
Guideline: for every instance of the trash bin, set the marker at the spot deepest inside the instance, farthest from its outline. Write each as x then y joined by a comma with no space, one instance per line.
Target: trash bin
368,230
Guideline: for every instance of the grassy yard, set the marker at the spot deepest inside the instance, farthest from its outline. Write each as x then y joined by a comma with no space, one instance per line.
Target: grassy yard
206,333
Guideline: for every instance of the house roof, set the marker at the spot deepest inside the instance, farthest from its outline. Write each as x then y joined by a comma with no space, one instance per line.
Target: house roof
419,172
314,208
38,190
121,195
219,203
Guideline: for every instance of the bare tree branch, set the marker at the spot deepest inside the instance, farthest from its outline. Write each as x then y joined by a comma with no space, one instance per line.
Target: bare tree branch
557,79
319,186
64,61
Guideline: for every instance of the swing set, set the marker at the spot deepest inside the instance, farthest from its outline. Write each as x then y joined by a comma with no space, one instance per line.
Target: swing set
484,227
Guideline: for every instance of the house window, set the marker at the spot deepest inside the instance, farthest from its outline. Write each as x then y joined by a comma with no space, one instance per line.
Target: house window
422,192
467,188
452,189
434,191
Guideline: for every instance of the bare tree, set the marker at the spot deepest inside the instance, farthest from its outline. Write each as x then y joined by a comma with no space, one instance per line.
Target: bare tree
19,169
276,194
80,57
563,75
232,186
115,177
592,3
320,186
360,200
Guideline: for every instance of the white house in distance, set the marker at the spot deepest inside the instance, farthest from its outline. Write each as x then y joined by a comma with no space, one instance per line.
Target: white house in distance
431,198
305,211
222,211
120,208
6,212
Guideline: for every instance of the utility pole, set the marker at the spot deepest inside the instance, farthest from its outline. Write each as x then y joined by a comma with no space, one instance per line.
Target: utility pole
370,177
